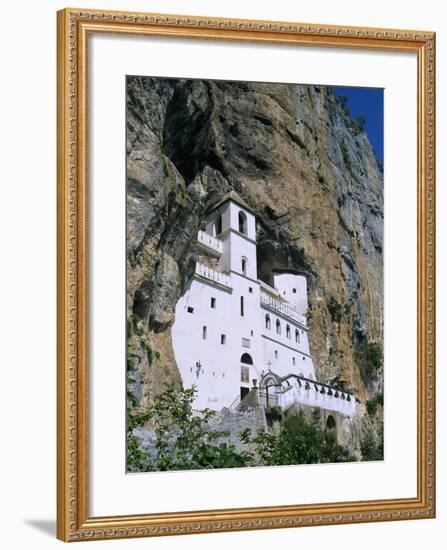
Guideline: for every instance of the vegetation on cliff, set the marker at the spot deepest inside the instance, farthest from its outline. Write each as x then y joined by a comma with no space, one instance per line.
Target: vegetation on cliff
185,439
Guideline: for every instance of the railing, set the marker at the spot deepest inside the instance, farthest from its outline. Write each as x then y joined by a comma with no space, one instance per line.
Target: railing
282,308
210,242
268,288
236,402
308,392
213,275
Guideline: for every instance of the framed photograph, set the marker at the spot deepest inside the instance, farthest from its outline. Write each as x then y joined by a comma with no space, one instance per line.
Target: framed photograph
245,274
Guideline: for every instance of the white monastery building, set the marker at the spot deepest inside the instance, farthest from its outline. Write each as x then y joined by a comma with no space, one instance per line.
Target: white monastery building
234,334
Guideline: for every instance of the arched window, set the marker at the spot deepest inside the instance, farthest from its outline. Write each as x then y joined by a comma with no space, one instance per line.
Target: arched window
288,331
242,222
297,336
246,359
278,327
244,266
267,322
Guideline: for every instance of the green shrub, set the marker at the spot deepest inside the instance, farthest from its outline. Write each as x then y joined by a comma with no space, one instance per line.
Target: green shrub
335,310
369,358
299,442
373,404
274,413
358,125
184,439
371,445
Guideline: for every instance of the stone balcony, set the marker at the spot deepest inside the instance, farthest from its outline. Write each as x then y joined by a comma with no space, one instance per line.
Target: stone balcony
210,243
212,275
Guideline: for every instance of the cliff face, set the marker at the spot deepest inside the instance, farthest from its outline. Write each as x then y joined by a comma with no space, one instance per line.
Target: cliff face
308,171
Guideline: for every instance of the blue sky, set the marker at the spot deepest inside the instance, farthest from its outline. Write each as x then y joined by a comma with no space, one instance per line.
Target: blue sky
369,103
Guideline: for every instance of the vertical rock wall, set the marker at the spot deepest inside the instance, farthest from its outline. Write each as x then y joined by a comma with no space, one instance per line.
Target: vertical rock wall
294,154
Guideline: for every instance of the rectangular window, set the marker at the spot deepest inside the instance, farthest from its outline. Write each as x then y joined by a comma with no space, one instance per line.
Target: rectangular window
245,374
223,339
293,361
204,333
294,290
245,342
250,290
219,225
242,306
190,309
213,302
276,354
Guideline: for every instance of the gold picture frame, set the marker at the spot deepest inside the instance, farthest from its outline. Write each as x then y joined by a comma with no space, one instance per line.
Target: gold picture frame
74,522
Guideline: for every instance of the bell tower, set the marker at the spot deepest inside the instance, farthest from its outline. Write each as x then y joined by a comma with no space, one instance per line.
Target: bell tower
233,222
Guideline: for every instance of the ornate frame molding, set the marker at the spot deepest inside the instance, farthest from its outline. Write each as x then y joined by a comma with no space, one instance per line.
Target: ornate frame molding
74,522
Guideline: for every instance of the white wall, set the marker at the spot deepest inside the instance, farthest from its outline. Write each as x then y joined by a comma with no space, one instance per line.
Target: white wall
28,320
287,348
286,284
218,380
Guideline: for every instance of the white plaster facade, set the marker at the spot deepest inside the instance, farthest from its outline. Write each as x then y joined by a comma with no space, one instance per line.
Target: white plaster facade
233,332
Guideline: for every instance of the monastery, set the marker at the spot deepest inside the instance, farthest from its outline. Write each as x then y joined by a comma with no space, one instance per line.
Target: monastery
236,337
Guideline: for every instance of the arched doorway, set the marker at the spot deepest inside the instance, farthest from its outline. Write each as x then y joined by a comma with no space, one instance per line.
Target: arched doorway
330,423
270,383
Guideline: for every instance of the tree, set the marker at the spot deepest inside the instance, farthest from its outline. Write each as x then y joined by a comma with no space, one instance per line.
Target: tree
186,440
371,445
299,442
359,124
183,437
343,102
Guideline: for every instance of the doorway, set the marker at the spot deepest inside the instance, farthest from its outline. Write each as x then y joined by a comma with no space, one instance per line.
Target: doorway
244,392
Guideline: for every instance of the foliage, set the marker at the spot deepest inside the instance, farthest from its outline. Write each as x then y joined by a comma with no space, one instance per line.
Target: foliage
373,404
371,445
347,160
135,455
343,102
274,413
183,438
334,309
299,442
369,357
358,125
345,155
